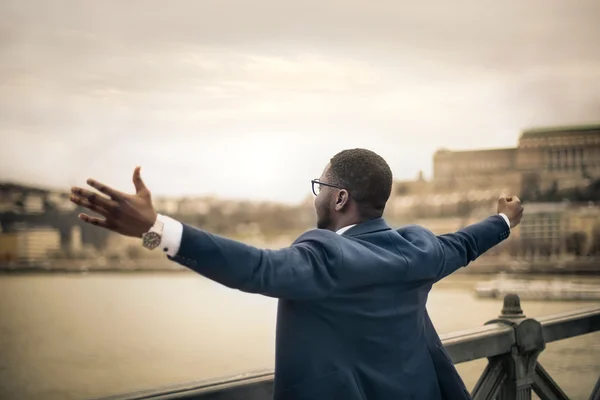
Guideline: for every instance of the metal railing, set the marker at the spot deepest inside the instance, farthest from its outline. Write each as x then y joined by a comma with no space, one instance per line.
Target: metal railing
511,343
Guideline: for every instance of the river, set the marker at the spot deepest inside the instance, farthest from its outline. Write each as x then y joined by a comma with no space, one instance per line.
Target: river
70,336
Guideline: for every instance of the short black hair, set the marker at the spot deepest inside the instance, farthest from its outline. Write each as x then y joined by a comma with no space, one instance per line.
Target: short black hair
366,176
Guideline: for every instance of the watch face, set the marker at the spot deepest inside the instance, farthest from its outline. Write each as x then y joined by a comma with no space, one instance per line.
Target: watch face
151,240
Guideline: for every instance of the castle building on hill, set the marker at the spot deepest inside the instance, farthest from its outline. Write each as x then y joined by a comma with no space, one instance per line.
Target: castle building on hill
546,160
570,156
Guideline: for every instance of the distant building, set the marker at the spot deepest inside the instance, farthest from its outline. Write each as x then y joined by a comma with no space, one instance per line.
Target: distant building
21,199
29,245
563,157
585,220
33,203
547,223
560,228
60,201
75,242
9,201
545,162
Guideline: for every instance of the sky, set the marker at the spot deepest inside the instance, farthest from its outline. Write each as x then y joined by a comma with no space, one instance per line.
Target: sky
250,99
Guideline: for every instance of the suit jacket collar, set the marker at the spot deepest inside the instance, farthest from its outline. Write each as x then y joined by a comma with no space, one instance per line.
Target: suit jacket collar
370,226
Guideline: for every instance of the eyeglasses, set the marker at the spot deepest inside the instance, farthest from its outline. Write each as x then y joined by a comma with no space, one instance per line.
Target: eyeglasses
316,186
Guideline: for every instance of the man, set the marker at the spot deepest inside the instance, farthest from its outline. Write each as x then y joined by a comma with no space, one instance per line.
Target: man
352,322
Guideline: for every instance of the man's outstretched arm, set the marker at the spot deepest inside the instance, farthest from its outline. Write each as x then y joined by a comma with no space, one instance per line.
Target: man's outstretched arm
306,270
460,248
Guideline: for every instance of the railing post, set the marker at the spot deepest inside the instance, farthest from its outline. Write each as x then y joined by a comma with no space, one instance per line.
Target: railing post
511,376
520,366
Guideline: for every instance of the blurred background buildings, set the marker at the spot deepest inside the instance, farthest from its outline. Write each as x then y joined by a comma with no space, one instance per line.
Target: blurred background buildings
555,171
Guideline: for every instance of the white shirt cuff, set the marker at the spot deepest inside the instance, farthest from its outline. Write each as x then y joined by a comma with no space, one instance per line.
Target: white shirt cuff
505,219
171,235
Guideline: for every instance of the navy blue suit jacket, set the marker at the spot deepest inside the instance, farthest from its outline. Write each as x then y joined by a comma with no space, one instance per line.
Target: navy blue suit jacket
351,322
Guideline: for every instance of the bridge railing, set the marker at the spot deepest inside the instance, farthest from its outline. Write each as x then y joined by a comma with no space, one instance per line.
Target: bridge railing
511,343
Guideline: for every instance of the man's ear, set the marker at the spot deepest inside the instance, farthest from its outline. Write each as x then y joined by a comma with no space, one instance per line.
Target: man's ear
341,200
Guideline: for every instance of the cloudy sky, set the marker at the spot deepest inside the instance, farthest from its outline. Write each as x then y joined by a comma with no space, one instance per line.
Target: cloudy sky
249,99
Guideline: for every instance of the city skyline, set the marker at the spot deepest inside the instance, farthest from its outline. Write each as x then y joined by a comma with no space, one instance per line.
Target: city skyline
250,104
555,170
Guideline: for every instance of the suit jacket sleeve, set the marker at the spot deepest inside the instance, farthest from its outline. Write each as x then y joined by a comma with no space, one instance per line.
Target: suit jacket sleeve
460,248
305,270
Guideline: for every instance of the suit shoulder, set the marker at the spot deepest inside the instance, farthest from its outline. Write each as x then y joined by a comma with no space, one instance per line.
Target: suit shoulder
421,237
415,229
318,235
322,240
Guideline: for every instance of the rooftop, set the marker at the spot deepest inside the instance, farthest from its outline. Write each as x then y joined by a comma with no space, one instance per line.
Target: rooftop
481,152
560,130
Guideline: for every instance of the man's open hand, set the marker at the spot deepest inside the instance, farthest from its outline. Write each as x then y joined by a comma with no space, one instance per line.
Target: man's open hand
127,214
511,207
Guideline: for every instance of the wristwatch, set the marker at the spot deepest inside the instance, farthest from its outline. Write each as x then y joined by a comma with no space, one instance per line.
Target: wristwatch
153,237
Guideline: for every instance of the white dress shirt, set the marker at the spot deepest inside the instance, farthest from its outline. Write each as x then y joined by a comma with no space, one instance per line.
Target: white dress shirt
171,235
173,230
344,229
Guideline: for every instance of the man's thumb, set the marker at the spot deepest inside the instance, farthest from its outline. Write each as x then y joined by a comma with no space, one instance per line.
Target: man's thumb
137,180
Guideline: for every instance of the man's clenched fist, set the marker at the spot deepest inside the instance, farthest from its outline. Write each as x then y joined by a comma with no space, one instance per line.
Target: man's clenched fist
511,207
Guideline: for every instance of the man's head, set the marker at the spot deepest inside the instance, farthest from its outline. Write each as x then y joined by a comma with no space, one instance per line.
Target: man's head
353,188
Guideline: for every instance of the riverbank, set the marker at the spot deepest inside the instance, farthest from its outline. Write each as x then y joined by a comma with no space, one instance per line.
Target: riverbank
495,265
478,267
486,265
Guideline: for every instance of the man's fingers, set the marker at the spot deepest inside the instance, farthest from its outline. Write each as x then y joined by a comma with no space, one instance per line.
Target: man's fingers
83,202
503,198
114,194
94,221
138,182
94,198
509,199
